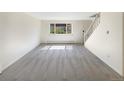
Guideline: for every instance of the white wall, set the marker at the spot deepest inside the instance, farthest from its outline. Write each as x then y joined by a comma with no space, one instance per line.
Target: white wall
75,37
108,47
19,33
123,44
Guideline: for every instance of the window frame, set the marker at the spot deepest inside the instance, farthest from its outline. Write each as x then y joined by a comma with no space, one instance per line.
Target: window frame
60,33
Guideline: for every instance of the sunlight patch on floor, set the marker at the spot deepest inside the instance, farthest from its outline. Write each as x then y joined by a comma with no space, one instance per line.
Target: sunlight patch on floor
57,48
45,48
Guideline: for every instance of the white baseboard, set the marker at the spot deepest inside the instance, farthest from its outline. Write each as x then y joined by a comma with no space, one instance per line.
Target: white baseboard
60,42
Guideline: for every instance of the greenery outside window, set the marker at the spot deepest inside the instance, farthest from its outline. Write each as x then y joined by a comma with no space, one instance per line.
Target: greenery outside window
60,28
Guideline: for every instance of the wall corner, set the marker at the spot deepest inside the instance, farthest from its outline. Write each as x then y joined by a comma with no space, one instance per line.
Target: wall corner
123,44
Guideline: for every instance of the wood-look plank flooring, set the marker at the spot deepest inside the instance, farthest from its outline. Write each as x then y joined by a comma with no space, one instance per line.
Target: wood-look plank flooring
59,62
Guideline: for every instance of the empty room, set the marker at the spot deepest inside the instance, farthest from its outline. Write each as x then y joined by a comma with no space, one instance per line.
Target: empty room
61,46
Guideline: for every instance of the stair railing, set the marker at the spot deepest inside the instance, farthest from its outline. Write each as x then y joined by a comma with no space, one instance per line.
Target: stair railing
92,27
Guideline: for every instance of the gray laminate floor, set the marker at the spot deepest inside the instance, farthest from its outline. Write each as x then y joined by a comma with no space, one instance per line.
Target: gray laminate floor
59,62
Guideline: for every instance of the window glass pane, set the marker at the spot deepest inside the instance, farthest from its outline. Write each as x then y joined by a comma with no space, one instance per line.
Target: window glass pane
68,28
60,28
52,28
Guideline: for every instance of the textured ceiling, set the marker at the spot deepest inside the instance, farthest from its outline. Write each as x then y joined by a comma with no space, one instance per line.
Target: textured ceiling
62,15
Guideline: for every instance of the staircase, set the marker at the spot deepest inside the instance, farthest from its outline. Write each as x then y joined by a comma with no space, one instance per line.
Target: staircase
92,27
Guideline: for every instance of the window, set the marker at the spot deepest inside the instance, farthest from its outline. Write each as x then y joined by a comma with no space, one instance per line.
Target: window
52,28
60,29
